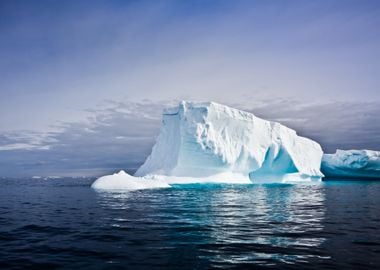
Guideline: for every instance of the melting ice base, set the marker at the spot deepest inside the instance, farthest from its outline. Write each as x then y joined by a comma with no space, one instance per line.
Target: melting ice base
213,143
125,181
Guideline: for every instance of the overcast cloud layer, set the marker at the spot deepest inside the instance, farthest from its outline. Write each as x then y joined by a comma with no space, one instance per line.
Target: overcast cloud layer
120,135
82,85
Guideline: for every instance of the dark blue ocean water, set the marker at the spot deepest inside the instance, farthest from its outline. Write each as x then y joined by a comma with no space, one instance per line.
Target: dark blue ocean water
64,224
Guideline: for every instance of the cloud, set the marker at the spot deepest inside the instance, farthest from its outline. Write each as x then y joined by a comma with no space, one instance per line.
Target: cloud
117,135
120,135
23,146
77,54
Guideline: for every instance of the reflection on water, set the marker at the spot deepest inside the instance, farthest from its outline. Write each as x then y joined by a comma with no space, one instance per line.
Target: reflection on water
226,224
67,225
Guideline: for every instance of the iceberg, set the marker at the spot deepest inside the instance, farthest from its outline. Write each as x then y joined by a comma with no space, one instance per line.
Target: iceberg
210,142
205,139
123,180
352,164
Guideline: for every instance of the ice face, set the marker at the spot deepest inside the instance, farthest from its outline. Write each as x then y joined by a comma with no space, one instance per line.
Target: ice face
352,163
202,140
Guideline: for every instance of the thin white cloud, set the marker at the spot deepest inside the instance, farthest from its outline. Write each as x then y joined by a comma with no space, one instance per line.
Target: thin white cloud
23,146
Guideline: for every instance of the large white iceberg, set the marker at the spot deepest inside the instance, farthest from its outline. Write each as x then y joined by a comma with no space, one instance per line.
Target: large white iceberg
206,139
210,142
352,164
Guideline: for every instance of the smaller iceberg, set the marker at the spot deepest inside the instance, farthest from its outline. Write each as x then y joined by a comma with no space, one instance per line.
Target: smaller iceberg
352,164
125,181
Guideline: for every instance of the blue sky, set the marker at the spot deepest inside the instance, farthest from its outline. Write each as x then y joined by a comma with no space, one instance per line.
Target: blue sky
71,70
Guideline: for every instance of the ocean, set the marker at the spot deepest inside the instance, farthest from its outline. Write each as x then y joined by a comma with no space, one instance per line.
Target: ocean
64,224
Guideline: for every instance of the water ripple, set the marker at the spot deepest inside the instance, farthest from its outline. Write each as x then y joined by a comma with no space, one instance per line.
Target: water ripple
49,224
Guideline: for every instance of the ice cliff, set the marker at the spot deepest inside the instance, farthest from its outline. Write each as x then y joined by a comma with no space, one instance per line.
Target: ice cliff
210,142
204,139
352,164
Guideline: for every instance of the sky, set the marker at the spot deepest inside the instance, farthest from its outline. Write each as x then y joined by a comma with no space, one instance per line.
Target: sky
83,83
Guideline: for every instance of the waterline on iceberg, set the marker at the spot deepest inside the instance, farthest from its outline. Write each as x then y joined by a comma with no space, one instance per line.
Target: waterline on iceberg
124,181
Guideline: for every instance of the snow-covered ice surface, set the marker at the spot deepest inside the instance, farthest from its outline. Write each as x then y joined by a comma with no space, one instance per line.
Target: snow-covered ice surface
352,164
123,180
210,142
